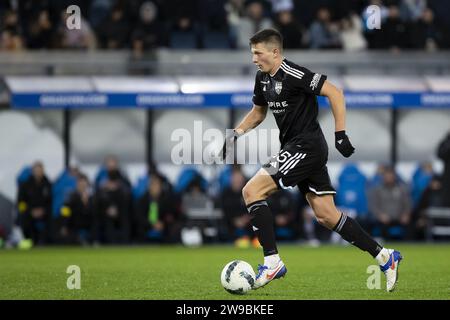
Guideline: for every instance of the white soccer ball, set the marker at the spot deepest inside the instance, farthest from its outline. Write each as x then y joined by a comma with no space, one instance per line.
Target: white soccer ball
237,277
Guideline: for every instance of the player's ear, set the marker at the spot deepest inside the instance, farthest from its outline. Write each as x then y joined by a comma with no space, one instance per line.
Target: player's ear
276,52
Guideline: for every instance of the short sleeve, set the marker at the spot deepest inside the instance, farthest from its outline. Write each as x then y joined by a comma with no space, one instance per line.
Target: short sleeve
258,97
306,80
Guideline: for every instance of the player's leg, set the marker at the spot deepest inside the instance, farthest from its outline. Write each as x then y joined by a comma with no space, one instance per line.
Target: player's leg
308,226
255,194
350,230
329,216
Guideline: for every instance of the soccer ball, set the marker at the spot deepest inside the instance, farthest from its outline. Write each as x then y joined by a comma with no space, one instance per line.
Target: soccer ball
237,277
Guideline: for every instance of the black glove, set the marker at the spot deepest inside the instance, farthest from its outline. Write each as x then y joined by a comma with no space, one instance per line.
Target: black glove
343,144
228,144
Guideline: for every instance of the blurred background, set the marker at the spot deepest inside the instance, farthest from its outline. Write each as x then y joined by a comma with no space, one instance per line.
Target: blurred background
87,117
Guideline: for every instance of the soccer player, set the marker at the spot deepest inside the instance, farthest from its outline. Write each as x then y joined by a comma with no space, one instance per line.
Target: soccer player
290,91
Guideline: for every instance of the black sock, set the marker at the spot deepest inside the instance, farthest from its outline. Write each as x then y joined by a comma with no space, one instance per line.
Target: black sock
351,231
263,225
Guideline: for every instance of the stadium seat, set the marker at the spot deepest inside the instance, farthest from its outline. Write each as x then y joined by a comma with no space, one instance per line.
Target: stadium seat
420,181
352,190
154,235
215,40
62,187
186,176
284,233
23,175
183,40
225,178
141,186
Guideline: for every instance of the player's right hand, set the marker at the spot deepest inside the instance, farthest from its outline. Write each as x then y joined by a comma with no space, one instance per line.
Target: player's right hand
228,145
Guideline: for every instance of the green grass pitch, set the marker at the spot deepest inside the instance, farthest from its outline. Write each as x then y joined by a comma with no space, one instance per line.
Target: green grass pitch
176,272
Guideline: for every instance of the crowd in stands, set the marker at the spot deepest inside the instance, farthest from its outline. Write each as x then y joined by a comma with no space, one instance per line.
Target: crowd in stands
110,210
142,25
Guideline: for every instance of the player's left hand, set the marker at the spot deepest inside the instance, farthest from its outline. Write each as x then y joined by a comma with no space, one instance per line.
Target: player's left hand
343,144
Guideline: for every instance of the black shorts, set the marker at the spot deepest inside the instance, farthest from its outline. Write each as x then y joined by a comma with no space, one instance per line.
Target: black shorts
302,163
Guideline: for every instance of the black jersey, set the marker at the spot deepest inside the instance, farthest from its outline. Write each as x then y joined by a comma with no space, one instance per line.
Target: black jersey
291,94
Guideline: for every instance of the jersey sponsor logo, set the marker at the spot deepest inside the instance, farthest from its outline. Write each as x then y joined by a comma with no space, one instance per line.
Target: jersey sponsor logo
315,81
278,87
277,107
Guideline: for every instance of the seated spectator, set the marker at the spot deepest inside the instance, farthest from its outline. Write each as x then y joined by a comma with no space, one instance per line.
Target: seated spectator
394,31
426,33
213,16
412,10
35,205
111,166
253,21
432,196
377,178
197,208
11,38
114,32
10,21
290,30
351,33
214,25
113,205
41,32
234,11
391,205
99,11
10,41
157,215
194,196
183,34
149,32
324,33
441,12
77,216
83,38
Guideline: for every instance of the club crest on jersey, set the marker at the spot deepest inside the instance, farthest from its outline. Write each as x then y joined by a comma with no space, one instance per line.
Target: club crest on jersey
278,87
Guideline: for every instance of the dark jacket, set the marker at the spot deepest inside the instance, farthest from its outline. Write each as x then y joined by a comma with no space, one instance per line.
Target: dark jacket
34,194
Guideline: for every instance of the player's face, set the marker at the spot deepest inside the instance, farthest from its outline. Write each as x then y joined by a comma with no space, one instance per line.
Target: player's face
263,56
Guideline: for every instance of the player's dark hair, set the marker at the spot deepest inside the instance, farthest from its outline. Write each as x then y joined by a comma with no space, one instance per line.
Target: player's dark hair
268,36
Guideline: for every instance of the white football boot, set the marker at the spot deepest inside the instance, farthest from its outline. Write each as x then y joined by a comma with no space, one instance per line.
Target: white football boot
390,269
266,274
